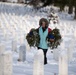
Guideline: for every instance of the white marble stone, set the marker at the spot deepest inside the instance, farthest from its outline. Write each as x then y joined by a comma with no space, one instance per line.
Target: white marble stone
27,46
38,65
14,45
6,63
22,52
2,48
63,63
56,54
70,51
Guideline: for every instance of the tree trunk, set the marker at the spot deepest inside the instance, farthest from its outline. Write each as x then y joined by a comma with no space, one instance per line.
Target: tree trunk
4,0
47,2
75,12
20,1
70,11
62,7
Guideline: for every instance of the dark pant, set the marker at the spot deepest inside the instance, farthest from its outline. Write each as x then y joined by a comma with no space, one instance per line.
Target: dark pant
45,52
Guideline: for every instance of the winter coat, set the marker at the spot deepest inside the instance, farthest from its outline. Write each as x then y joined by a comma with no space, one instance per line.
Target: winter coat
44,34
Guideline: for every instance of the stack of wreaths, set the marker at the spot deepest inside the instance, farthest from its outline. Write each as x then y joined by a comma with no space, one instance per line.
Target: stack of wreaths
53,17
33,38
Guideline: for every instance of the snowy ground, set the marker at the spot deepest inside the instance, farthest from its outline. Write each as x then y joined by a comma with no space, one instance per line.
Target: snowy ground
15,22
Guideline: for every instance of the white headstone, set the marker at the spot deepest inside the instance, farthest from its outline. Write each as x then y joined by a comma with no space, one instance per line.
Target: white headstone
6,63
5,35
75,33
56,54
2,48
70,50
57,51
38,66
14,45
27,45
21,39
22,53
63,45
63,63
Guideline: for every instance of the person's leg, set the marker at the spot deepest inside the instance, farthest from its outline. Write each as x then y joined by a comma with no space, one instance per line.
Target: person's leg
45,58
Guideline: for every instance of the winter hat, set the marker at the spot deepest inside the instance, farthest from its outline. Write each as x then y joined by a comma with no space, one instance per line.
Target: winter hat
43,20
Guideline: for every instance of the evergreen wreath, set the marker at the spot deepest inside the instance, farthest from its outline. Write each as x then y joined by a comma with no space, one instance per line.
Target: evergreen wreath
33,38
57,38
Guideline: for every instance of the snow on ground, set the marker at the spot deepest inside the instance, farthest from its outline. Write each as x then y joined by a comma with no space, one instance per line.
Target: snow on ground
15,22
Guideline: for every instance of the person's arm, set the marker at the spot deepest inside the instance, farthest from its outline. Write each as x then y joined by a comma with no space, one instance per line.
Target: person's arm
50,36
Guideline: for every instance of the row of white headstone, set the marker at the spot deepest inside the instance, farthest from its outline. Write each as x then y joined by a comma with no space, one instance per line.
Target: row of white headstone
16,1
38,69
64,56
65,28
5,61
56,52
12,29
70,48
17,24
38,66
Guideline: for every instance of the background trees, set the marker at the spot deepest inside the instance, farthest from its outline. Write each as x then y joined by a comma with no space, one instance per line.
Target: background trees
61,4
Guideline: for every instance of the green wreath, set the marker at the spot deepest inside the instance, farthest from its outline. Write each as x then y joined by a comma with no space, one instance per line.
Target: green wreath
57,39
33,38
